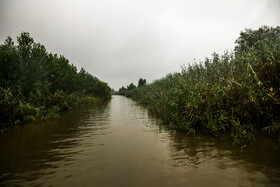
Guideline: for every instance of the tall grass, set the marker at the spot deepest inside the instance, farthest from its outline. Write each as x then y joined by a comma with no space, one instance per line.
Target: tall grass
237,92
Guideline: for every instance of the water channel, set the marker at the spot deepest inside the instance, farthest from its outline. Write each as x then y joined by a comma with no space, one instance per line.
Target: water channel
119,144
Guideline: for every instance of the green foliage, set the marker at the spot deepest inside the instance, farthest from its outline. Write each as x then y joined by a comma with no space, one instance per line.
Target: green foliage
236,92
11,106
35,84
122,91
127,91
131,86
141,82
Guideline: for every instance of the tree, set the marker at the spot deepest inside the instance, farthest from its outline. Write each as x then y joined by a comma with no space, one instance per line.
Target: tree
32,78
131,86
141,82
254,38
122,91
9,63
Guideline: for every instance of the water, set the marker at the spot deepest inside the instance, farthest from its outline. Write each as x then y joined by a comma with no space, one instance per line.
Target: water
118,144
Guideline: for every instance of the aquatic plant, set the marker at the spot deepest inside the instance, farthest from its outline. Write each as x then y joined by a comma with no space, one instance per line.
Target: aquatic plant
237,92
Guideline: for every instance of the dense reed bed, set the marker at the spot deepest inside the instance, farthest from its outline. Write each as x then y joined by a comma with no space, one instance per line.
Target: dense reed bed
237,92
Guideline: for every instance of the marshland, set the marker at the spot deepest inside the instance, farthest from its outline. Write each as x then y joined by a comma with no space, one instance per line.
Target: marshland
139,93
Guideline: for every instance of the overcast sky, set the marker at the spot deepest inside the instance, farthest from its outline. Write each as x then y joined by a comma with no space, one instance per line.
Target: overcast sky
120,41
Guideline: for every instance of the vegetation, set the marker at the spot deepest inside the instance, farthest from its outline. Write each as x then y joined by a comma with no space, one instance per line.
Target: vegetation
130,87
35,84
236,92
141,82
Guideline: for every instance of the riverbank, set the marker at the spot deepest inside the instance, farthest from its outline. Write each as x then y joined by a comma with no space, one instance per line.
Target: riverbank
15,110
236,92
37,85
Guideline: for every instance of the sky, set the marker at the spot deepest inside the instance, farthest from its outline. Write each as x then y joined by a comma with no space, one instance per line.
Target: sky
120,41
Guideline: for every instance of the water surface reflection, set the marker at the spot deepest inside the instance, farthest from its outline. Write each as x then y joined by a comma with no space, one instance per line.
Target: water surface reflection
119,144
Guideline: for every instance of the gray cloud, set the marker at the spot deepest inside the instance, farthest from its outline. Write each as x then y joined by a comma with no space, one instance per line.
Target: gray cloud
121,41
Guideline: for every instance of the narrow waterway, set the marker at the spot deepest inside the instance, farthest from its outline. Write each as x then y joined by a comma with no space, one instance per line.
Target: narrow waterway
119,144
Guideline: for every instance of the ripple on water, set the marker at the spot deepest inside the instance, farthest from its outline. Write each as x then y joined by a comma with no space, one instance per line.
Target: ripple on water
120,144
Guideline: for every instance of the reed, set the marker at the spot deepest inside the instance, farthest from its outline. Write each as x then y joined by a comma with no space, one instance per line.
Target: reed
237,92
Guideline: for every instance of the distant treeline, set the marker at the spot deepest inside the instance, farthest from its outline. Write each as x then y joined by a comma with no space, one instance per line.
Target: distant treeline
237,92
35,84
126,91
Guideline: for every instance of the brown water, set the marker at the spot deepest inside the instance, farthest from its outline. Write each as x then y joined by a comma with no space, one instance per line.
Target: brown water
118,144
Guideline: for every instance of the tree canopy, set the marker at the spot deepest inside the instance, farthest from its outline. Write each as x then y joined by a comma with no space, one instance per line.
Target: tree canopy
39,77
141,82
